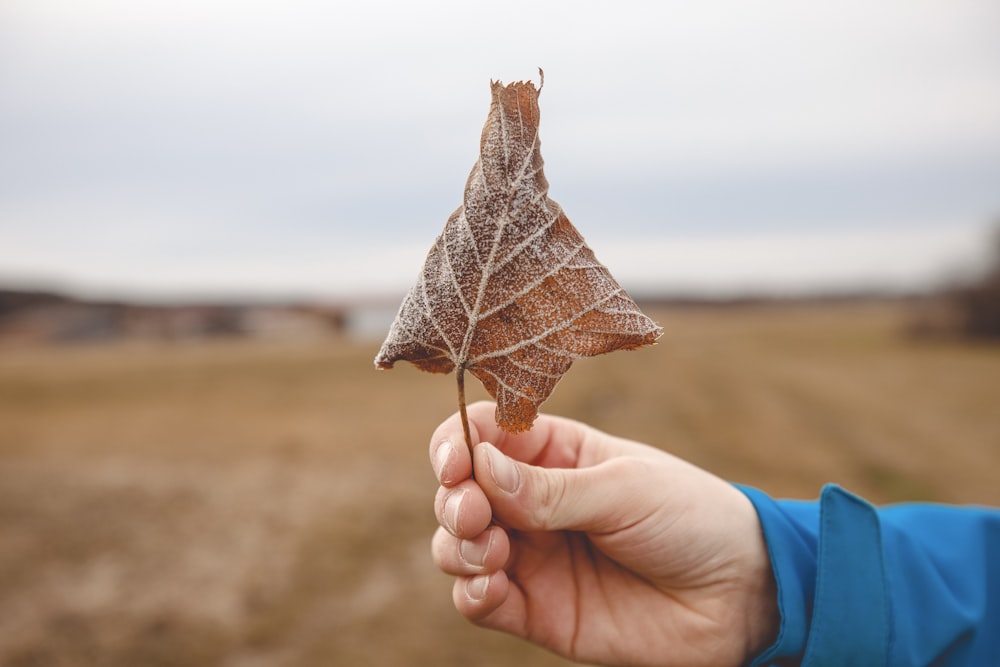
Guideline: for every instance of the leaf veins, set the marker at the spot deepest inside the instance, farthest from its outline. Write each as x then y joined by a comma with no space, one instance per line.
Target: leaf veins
510,291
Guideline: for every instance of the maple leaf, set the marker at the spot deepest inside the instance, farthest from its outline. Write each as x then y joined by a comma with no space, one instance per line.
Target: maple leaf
510,291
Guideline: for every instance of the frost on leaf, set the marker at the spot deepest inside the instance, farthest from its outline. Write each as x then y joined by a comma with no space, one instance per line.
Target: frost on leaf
509,291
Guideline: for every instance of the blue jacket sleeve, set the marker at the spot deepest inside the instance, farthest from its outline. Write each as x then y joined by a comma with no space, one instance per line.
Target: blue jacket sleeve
912,584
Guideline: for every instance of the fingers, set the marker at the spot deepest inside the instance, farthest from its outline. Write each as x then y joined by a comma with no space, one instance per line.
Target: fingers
482,591
482,426
490,600
448,450
574,474
600,498
463,509
451,463
552,442
484,554
560,475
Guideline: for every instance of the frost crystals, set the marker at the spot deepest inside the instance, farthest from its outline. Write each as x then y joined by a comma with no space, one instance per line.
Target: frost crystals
509,291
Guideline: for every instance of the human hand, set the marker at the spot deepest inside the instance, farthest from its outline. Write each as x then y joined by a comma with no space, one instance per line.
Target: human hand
599,548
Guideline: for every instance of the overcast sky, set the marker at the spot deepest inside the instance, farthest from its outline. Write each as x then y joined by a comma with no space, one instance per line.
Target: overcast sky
315,149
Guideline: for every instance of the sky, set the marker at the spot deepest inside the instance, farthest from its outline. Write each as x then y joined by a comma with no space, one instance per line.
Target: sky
214,148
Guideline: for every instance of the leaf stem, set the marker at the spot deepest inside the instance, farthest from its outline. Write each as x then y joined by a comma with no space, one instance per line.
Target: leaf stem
460,375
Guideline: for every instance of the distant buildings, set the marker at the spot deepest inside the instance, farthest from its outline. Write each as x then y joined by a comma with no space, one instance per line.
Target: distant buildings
42,317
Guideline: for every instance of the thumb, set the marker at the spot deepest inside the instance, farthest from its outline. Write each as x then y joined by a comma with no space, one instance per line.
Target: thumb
526,497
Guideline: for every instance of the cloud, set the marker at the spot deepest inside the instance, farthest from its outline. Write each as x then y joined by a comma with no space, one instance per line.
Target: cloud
142,135
923,256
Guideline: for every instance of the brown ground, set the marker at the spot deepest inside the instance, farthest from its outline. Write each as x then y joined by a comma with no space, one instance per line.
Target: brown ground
247,504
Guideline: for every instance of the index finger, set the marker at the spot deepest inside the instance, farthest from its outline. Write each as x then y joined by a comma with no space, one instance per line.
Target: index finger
449,452
552,442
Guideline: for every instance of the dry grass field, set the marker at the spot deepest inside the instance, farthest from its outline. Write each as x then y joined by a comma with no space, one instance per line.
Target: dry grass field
249,504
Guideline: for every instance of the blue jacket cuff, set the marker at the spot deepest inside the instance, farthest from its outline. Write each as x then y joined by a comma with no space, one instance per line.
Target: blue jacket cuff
840,620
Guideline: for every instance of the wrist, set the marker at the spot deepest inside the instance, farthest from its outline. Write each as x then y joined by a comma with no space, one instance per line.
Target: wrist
763,619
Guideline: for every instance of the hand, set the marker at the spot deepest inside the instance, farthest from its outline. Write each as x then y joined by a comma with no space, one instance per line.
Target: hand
598,548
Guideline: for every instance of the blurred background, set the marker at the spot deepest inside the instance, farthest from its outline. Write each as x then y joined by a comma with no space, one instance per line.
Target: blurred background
209,212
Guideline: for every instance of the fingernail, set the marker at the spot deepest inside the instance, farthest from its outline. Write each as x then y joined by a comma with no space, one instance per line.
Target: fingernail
477,586
503,470
474,552
452,506
441,458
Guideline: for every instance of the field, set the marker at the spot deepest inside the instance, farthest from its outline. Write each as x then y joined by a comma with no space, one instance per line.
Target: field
251,504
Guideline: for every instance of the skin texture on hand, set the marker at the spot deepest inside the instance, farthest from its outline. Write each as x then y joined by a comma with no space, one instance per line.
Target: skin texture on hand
600,549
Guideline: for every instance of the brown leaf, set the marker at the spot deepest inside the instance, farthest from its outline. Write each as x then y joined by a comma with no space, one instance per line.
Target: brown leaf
510,291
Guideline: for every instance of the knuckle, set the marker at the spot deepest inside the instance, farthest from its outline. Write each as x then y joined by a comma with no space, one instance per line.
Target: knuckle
550,496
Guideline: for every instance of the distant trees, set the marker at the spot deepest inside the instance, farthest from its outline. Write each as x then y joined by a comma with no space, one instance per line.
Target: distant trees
969,310
977,305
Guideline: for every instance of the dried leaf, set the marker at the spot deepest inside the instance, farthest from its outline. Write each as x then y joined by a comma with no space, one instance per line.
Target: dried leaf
509,291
